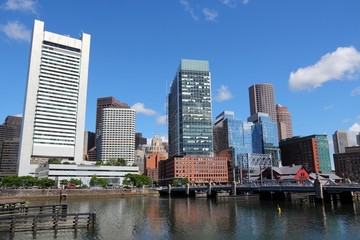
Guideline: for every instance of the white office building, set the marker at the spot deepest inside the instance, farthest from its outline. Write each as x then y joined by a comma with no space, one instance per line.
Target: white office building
117,134
84,172
55,102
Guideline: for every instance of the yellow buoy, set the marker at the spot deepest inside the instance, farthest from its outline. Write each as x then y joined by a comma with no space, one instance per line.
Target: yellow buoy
279,209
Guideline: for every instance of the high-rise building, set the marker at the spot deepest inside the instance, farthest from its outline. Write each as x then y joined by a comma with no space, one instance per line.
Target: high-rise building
55,102
231,132
358,139
89,143
347,163
284,123
102,103
340,140
265,136
139,140
309,151
9,145
117,134
189,113
262,99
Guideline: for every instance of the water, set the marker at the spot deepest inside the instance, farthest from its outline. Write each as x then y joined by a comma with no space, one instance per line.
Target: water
181,218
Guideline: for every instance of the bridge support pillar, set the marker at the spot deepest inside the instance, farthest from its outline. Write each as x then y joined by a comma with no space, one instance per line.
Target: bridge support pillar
319,196
233,188
346,197
169,189
209,190
187,189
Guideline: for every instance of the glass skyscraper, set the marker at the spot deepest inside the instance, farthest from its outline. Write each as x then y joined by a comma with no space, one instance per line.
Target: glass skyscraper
232,132
265,135
189,110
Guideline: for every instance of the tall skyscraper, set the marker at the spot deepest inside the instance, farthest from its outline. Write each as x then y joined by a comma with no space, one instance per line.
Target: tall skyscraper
340,140
189,113
284,123
55,102
102,103
262,99
9,145
358,139
117,134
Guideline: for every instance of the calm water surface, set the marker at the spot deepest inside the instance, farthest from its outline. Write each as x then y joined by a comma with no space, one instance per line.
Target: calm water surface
181,218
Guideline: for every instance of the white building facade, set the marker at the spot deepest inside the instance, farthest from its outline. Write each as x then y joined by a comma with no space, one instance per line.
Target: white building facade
84,172
55,102
117,134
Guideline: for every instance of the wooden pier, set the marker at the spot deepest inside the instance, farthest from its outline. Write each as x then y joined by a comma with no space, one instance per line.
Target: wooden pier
49,217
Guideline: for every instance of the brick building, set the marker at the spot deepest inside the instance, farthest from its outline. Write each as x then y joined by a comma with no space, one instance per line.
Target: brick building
197,169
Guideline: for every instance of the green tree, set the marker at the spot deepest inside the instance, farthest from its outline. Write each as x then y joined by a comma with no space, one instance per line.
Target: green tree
185,181
29,181
64,182
46,183
75,181
176,182
95,181
136,180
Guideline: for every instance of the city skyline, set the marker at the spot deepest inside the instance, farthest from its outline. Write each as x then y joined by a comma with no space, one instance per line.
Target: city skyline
134,56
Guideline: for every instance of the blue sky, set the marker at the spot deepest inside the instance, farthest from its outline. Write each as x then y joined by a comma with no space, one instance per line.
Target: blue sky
309,50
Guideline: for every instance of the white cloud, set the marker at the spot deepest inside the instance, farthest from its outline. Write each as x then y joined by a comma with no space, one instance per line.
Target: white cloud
140,108
189,9
355,91
326,108
19,115
353,131
342,64
17,31
223,94
21,5
161,120
234,3
346,120
210,15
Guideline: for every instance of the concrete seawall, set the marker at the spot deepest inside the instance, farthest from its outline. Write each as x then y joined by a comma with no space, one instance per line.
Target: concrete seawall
72,193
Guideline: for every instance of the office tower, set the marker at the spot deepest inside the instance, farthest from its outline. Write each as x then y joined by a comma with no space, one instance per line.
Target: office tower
262,99
347,163
265,136
139,140
340,140
55,102
117,134
358,139
89,143
230,132
9,145
284,123
102,103
311,151
189,113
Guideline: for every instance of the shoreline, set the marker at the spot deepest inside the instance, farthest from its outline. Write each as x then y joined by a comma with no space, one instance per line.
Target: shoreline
70,194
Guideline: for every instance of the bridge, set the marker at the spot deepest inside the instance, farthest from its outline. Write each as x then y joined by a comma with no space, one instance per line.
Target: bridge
276,190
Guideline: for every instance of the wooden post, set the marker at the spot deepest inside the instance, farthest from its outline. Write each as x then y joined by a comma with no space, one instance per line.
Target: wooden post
76,221
34,225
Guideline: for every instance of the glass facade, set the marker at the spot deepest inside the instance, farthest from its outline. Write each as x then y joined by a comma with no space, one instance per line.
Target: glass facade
324,154
232,132
265,137
190,128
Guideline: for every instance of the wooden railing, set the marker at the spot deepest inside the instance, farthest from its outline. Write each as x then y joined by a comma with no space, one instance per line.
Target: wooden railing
34,210
55,222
